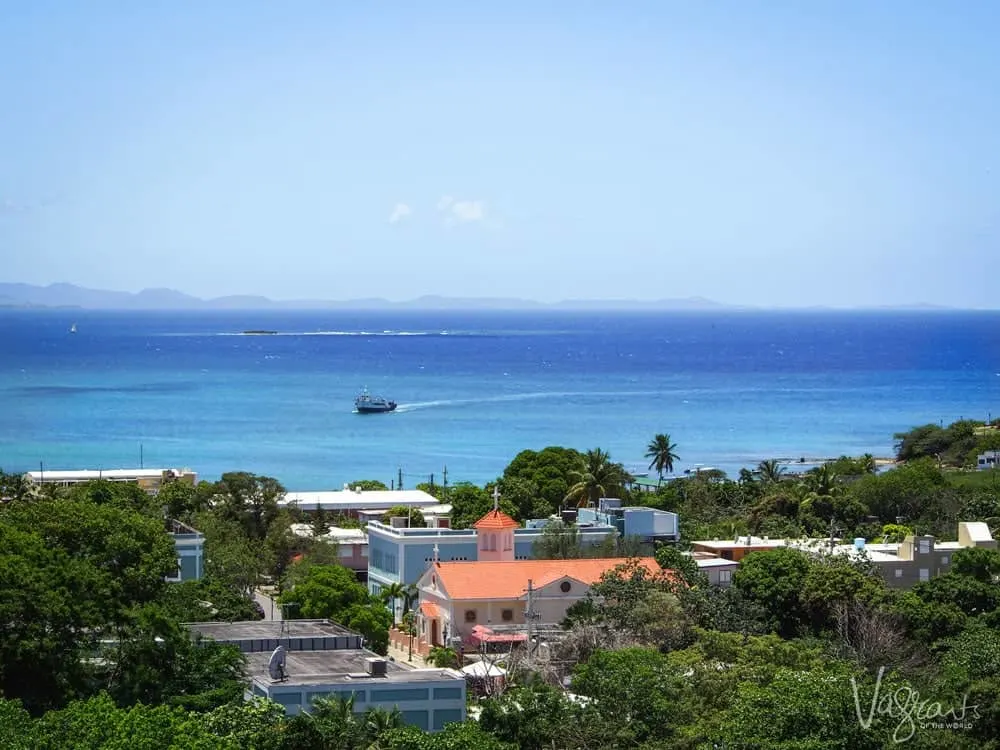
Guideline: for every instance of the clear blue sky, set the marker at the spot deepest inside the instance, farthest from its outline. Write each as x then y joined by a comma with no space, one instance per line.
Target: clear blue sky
782,153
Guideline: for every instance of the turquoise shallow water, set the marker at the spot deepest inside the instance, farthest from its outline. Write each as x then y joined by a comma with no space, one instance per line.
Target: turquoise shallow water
475,388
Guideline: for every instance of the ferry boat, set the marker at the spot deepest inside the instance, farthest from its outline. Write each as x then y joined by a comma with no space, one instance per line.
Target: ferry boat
366,403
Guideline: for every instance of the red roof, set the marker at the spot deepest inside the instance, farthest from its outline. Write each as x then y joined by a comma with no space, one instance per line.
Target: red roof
509,579
496,520
430,609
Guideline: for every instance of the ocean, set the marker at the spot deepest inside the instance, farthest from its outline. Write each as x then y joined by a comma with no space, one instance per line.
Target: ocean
188,389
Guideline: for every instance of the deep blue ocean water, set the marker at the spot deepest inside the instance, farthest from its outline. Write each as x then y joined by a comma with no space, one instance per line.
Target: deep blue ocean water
731,388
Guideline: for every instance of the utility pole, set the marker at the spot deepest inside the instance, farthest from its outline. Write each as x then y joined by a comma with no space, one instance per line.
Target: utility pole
140,456
399,483
444,477
432,482
530,616
41,472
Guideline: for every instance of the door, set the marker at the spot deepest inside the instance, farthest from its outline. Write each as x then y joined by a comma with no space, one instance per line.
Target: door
435,633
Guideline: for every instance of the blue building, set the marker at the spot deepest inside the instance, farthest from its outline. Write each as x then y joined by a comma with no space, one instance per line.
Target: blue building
325,660
646,524
190,547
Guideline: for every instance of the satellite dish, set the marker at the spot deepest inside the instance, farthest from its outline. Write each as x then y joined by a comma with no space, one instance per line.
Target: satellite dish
276,664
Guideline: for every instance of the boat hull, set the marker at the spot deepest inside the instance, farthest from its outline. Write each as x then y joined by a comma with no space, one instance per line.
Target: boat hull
371,409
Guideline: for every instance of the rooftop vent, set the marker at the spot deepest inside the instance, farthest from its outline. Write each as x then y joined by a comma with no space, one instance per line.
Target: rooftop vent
375,667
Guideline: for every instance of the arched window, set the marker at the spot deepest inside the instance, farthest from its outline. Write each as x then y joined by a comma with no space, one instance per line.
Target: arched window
493,542
508,540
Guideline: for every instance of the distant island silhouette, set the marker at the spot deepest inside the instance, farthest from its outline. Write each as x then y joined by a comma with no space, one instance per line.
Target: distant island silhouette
16,295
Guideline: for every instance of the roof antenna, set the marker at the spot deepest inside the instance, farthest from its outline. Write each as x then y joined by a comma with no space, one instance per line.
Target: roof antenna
276,665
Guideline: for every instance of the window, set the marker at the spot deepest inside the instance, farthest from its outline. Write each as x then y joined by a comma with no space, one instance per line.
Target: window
925,546
416,719
507,615
899,572
727,554
507,543
445,716
470,615
398,695
177,574
454,693
725,576
944,559
925,574
565,587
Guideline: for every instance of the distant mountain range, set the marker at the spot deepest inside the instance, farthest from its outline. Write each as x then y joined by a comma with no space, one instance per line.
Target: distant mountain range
69,295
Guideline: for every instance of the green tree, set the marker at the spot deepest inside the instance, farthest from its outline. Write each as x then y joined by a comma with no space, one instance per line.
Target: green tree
413,515
774,580
547,471
443,656
670,558
327,591
458,736
771,472
368,485
391,594
600,477
645,677
661,454
469,503
249,500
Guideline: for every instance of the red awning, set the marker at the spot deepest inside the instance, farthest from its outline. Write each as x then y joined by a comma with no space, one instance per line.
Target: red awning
482,634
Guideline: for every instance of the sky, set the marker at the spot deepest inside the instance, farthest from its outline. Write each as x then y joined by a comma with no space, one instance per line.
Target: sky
776,154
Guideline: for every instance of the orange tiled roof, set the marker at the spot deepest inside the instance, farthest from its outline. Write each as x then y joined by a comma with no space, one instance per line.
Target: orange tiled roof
509,579
430,609
496,520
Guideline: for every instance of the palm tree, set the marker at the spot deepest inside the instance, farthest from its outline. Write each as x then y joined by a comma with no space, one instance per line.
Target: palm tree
378,721
868,464
660,453
391,594
770,471
599,477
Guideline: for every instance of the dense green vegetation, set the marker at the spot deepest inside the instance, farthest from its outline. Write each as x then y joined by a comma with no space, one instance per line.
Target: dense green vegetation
792,656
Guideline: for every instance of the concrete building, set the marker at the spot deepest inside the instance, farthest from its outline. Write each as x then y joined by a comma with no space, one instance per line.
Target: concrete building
190,546
737,548
988,460
718,570
149,479
467,600
915,559
325,660
646,524
349,501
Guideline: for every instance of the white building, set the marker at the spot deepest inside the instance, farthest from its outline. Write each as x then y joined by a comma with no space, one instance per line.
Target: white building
988,460
349,501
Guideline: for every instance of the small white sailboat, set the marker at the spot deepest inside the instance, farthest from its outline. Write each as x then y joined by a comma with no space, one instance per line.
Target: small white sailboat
72,328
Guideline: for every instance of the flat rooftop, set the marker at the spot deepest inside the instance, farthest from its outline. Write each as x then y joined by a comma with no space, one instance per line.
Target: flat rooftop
348,499
62,475
336,667
263,629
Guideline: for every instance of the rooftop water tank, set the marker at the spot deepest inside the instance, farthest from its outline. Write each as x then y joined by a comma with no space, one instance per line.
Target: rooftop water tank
859,543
